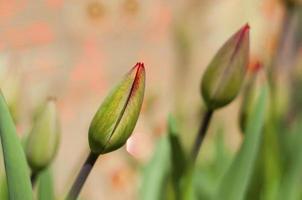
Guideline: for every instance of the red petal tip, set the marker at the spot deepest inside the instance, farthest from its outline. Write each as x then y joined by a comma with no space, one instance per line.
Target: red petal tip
255,67
139,64
246,27
138,67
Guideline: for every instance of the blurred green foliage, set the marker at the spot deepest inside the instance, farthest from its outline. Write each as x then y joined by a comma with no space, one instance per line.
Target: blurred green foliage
267,165
170,165
17,173
45,185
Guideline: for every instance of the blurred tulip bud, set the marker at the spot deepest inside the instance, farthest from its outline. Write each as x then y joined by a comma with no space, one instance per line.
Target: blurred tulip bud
248,101
42,142
224,76
249,94
115,120
281,100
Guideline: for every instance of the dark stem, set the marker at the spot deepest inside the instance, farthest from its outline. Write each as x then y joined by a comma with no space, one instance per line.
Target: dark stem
33,178
82,176
201,133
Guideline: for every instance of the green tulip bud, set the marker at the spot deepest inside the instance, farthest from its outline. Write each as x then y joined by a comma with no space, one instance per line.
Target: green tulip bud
224,76
115,119
248,102
250,93
42,142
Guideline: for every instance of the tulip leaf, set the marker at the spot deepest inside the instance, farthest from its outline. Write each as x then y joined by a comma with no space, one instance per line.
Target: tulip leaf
156,172
3,188
45,185
178,158
18,181
235,182
290,187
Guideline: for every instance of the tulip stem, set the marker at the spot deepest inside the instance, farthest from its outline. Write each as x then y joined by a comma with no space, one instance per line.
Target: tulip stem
33,178
201,134
82,176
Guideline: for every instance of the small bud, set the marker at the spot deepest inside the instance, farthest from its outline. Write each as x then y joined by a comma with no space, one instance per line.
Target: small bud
42,142
224,76
248,102
250,92
254,67
115,120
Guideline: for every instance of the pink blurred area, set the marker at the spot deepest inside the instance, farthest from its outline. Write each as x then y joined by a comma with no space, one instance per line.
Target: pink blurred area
76,50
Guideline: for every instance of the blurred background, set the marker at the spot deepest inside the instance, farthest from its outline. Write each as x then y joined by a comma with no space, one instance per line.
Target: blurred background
77,50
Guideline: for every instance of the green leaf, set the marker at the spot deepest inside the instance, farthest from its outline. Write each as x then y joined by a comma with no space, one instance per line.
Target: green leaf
178,157
235,182
290,187
156,173
210,173
3,188
3,183
45,185
271,158
221,156
18,181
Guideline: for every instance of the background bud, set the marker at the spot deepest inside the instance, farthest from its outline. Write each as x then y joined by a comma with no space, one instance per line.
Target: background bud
249,95
248,102
42,142
115,120
224,76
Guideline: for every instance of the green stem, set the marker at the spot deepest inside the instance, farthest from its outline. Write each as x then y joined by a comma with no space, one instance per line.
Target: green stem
82,176
33,178
201,134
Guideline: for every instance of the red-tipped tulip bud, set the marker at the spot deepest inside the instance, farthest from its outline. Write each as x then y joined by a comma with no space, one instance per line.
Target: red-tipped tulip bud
224,76
115,120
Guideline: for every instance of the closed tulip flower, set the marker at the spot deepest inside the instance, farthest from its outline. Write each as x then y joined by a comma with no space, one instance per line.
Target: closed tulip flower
223,79
42,142
113,123
115,120
224,76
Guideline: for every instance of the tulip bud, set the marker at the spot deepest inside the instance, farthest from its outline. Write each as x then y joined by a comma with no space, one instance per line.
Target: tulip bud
224,76
115,119
247,105
42,142
249,95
